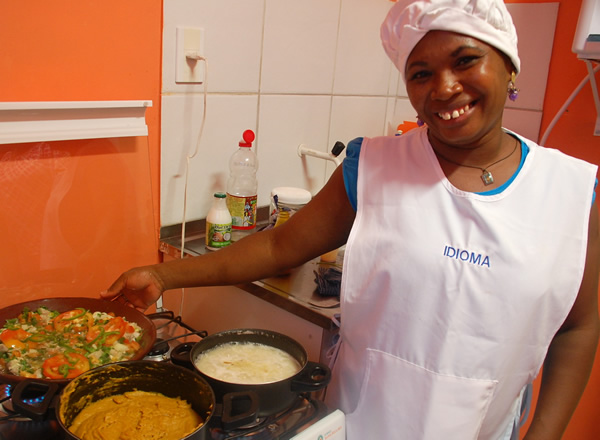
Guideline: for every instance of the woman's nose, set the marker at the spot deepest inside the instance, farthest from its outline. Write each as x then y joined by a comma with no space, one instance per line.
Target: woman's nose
446,86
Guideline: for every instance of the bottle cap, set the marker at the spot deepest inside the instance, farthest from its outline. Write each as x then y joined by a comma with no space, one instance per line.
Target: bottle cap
220,195
290,195
247,138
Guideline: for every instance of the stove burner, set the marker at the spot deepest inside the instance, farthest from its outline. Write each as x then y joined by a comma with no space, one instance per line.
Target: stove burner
281,426
160,351
169,330
31,396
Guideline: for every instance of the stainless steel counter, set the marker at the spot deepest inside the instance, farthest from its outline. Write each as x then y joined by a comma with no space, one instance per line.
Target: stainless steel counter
294,292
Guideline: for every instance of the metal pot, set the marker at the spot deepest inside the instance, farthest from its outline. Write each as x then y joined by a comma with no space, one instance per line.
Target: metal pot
92,304
273,396
160,377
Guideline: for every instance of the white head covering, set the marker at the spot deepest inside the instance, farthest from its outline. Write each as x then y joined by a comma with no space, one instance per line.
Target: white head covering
409,20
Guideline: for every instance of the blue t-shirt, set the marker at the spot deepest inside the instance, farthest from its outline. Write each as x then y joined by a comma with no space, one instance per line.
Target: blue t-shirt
350,168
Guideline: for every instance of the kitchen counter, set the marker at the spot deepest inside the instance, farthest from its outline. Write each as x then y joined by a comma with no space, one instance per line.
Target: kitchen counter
294,292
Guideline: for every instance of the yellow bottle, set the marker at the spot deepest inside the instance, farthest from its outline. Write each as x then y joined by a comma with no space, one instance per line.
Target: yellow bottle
282,217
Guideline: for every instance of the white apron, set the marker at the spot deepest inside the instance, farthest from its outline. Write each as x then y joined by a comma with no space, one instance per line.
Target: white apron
450,299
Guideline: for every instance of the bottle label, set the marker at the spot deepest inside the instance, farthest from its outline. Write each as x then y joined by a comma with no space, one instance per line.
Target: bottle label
218,236
242,210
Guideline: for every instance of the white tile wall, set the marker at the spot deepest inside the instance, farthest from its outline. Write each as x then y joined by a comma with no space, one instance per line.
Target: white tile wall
311,72
299,46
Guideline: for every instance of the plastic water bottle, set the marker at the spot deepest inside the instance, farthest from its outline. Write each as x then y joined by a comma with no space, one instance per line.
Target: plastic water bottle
218,224
242,186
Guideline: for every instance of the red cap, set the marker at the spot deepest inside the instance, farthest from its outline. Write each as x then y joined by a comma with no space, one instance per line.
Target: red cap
248,138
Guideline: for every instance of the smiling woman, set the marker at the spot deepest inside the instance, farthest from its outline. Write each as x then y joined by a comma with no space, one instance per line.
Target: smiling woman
446,345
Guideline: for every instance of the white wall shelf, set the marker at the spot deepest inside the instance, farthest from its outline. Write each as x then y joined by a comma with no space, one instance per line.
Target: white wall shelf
67,120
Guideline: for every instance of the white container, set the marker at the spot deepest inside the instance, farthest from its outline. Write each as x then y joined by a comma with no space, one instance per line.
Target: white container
218,224
242,185
289,199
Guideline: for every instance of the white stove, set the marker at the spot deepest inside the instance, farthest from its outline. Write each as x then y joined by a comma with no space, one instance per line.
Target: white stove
330,427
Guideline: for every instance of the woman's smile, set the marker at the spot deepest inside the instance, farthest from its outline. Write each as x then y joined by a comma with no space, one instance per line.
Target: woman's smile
456,113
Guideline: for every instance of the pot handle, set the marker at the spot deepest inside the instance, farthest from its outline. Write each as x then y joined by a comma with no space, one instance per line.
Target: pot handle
239,409
44,392
313,377
180,355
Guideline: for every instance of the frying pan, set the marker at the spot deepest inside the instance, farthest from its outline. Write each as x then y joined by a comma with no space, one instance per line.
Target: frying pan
91,304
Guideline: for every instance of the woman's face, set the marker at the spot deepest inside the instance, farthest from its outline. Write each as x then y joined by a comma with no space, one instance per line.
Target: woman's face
458,86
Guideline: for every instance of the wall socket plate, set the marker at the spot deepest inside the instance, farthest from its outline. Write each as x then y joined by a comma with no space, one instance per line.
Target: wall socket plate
189,64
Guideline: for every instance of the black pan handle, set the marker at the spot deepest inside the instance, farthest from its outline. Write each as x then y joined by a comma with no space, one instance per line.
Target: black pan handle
180,355
44,393
239,409
313,377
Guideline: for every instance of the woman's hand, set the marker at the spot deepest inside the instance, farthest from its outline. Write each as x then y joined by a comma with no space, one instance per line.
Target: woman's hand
140,287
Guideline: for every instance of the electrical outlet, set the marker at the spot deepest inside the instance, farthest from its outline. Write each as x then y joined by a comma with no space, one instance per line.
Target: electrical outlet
189,51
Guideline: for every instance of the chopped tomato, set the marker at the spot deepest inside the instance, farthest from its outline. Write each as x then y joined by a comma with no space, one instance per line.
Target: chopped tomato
94,333
114,330
65,366
14,338
19,334
133,345
77,319
108,333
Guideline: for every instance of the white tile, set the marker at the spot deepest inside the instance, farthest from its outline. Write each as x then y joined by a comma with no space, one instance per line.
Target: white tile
356,116
524,122
227,116
233,37
400,86
299,46
535,49
362,67
286,121
353,116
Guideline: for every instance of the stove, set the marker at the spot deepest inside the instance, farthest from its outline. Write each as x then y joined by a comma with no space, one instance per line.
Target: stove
306,412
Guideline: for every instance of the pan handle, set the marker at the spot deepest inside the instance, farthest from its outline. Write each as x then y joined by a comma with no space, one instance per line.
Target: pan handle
180,355
44,393
313,377
239,409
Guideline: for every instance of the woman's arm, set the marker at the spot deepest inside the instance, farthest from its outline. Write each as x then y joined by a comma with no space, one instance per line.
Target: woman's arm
322,225
571,354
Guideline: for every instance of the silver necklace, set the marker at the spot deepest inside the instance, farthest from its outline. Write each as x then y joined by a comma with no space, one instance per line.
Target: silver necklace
486,176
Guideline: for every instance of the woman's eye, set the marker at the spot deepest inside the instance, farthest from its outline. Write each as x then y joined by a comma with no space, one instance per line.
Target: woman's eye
467,60
421,74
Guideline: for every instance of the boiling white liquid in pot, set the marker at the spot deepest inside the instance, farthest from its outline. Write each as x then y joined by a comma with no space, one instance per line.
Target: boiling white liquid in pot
247,363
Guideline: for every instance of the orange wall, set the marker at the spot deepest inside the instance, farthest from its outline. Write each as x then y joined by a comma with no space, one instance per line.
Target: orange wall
75,214
102,195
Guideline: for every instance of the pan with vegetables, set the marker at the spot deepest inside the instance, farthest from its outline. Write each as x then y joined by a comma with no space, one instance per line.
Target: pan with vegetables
57,339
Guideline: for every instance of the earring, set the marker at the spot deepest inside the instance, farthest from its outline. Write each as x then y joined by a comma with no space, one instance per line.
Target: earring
420,122
513,92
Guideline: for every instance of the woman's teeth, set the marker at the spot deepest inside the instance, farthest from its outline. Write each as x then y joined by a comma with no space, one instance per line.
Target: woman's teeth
454,114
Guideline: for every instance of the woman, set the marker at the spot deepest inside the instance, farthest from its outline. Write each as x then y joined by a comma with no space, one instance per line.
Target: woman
468,260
